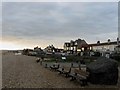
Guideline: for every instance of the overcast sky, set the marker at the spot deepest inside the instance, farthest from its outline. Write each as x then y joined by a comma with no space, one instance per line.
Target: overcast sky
26,24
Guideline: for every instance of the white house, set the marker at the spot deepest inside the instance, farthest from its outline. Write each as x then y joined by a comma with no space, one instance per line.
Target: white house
105,47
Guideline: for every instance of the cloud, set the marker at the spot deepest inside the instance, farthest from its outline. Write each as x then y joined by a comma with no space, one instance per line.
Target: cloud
57,22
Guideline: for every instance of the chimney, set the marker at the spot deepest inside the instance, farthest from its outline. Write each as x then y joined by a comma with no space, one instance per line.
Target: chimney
98,42
117,41
108,41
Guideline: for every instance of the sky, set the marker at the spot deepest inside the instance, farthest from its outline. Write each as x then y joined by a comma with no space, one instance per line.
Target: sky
30,24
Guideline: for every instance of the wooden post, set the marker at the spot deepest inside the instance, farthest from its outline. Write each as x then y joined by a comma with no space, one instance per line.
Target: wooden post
71,64
46,65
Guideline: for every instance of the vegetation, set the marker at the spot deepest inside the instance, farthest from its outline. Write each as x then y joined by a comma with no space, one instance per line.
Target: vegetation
87,59
70,58
115,56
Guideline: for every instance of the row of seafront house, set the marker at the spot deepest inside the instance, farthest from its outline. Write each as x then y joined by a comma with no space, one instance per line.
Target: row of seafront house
81,48
78,47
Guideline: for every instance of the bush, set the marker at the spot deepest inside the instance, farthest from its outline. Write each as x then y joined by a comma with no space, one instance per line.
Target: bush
97,54
72,58
115,56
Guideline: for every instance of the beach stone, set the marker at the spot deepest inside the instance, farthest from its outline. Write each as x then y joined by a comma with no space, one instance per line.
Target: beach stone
103,71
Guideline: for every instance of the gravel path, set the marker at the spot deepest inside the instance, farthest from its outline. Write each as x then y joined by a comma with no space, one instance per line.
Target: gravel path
23,72
19,71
